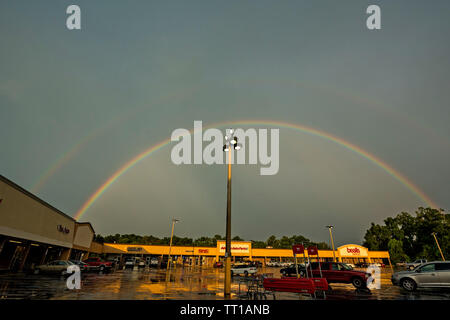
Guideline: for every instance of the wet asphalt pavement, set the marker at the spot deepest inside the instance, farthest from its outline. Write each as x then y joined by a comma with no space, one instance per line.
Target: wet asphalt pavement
180,283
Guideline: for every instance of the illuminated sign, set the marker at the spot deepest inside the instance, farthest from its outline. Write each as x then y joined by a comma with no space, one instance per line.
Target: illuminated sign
203,250
236,248
298,249
134,249
353,250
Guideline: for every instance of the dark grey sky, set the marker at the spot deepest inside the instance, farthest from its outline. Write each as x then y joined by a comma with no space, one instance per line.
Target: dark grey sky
135,72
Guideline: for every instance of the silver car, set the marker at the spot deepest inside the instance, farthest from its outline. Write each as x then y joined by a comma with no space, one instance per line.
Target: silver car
435,274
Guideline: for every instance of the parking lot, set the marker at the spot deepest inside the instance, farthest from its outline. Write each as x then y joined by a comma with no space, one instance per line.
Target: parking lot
181,283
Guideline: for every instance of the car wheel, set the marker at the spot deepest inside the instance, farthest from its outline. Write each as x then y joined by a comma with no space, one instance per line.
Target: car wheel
102,268
246,273
358,282
408,284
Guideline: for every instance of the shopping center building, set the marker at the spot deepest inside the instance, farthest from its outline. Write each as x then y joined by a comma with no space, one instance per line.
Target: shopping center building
33,232
243,251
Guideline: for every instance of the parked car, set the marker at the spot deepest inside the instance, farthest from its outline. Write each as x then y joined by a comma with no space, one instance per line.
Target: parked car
337,272
361,264
291,271
412,265
141,264
272,264
434,274
130,262
257,264
114,261
218,264
56,267
380,265
154,262
98,264
244,269
82,265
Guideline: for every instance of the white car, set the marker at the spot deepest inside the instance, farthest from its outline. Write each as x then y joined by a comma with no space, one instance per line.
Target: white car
243,269
271,264
129,263
154,262
412,265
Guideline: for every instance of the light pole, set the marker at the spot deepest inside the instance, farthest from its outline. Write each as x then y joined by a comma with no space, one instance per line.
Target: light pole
442,255
171,237
332,242
230,144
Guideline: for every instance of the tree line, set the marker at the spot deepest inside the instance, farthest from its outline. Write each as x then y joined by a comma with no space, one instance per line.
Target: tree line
408,237
273,242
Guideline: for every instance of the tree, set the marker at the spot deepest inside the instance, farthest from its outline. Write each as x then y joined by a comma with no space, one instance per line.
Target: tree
395,248
413,234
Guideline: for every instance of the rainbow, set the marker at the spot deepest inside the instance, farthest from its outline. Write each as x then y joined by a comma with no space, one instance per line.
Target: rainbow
314,132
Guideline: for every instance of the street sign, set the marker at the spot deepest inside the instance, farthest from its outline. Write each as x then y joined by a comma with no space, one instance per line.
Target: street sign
298,249
312,251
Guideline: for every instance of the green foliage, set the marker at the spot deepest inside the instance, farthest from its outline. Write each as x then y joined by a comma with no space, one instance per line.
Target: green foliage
408,237
283,243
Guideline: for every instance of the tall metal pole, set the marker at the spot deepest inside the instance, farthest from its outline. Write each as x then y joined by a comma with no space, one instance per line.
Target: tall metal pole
442,255
332,242
227,286
170,246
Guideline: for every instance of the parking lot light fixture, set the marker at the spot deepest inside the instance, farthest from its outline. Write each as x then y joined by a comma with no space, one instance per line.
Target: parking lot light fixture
170,245
332,242
229,141
439,247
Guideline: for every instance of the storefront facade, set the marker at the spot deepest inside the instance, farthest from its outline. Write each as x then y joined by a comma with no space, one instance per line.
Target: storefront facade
33,232
242,250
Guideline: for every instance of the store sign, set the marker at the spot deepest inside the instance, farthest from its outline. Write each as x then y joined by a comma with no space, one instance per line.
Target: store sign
298,249
312,251
236,248
134,249
353,251
62,229
203,251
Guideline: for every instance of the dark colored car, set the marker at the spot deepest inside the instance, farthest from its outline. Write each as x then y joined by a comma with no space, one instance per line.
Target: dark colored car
292,272
361,264
83,266
336,272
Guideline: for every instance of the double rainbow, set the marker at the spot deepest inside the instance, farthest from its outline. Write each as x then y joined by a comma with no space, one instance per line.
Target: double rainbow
314,132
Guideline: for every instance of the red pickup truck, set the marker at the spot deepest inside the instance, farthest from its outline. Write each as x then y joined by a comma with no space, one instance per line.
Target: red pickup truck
98,263
334,272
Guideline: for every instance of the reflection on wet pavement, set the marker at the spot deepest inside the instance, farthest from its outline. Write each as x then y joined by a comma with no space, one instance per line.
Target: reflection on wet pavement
181,283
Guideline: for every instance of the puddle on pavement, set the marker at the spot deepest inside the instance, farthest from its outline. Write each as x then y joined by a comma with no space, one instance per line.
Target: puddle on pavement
180,283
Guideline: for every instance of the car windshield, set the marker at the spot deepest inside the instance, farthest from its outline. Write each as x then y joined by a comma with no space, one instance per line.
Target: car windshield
346,267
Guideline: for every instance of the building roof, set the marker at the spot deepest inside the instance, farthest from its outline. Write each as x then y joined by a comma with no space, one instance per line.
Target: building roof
34,197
